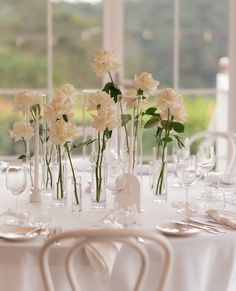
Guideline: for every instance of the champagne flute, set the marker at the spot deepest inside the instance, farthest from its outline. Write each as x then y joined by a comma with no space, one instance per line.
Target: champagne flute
16,181
205,161
187,173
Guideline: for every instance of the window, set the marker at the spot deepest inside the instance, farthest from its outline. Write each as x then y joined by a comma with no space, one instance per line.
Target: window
178,41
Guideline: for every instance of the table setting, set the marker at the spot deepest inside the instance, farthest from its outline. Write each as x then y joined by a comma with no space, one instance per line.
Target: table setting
178,195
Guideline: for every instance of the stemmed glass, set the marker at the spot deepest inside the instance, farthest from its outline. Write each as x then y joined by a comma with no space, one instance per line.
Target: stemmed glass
205,161
16,181
186,170
179,153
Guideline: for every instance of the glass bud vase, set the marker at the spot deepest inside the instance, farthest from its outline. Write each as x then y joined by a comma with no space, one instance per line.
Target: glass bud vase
59,185
99,180
159,184
76,193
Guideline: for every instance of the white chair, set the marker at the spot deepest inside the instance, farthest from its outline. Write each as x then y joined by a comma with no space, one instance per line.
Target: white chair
87,236
211,137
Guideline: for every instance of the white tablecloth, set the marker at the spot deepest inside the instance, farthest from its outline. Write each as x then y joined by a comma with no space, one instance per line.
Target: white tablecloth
204,262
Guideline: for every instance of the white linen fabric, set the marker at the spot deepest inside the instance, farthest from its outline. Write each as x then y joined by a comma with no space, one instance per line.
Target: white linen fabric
223,216
102,256
196,267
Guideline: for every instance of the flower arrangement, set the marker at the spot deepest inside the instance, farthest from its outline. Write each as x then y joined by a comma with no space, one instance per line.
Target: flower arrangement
29,103
101,104
61,132
168,117
144,86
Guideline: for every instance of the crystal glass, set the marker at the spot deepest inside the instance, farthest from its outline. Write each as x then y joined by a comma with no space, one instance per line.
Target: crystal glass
205,161
187,173
16,181
180,153
227,185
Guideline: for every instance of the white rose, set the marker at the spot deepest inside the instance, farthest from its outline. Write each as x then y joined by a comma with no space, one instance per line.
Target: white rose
25,99
169,101
132,100
21,130
61,132
105,119
66,93
104,62
146,83
100,100
50,114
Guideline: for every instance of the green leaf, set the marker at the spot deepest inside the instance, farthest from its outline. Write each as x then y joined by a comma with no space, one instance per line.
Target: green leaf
178,127
166,139
151,111
103,147
166,124
125,118
107,133
152,122
22,157
65,117
112,90
140,91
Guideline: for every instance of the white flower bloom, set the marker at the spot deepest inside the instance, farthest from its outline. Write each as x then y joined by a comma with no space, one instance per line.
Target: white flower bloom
100,100
25,99
168,100
61,132
104,61
50,113
105,119
21,130
66,94
146,83
133,101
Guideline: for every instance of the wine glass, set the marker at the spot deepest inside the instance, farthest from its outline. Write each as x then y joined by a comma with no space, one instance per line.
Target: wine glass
16,181
179,153
205,161
186,170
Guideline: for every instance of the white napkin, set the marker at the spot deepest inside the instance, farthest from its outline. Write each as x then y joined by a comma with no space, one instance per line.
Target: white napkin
223,216
102,256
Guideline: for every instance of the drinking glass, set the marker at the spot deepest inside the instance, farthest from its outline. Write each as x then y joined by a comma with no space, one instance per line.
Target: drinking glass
187,173
179,153
16,181
205,161
227,185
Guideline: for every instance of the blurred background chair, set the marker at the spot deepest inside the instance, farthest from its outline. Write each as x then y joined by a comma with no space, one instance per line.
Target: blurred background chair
224,144
129,237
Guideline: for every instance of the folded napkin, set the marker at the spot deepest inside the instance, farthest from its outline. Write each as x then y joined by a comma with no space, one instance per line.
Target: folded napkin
223,216
102,257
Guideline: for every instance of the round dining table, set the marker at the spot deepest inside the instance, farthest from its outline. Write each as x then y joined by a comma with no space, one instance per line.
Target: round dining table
202,262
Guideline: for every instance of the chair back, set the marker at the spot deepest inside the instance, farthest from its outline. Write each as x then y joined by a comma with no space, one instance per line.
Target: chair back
129,237
210,137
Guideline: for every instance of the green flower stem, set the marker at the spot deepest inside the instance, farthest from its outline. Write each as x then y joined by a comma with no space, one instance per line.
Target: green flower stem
49,172
97,171
28,161
60,178
160,180
109,73
126,131
73,174
98,167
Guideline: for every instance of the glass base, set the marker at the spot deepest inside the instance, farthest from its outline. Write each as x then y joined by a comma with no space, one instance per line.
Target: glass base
98,205
59,203
160,198
76,208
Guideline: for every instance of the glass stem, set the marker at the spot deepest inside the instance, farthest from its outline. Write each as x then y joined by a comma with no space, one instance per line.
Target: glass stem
187,214
16,203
